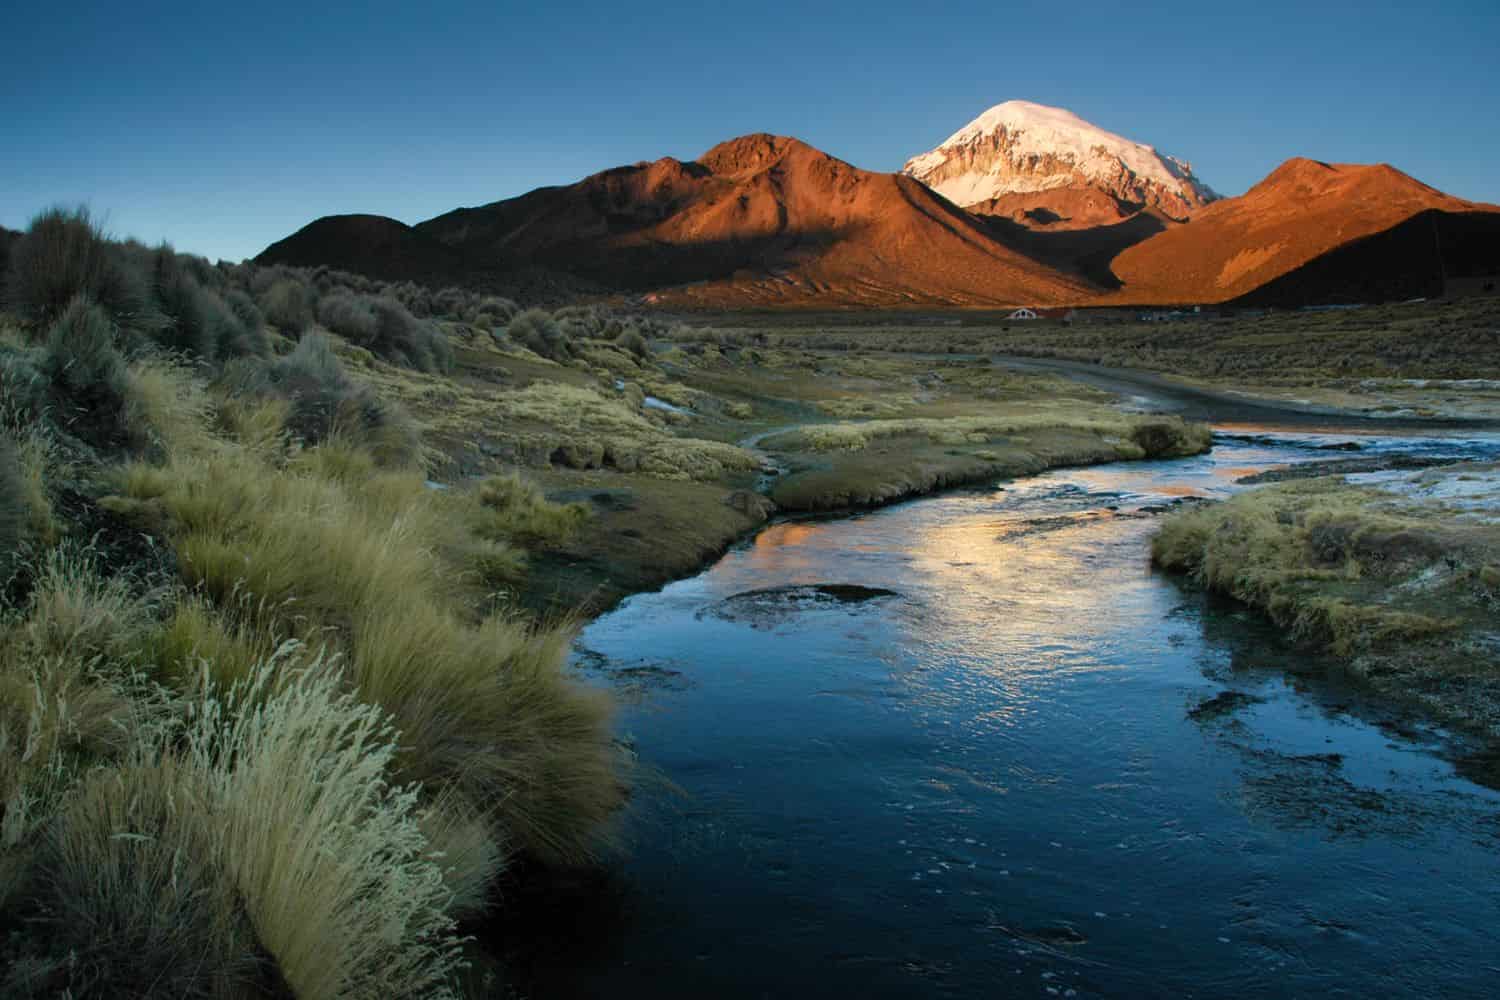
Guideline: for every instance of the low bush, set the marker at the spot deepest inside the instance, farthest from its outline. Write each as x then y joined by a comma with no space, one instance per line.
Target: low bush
384,327
402,338
631,340
87,375
64,255
492,311
325,401
539,333
288,304
200,322
348,315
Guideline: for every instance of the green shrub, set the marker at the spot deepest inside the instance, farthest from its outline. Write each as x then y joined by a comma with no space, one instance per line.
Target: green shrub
191,318
240,326
492,311
288,304
402,338
449,302
87,374
384,327
539,333
631,340
348,315
245,308
64,255
325,401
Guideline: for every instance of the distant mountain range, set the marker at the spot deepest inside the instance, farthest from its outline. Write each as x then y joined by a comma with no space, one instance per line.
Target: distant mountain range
1025,205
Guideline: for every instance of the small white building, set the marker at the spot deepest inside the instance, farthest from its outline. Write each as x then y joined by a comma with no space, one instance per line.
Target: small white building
1023,313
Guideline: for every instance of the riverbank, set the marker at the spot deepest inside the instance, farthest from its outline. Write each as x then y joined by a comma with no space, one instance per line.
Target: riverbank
1397,573
955,738
679,453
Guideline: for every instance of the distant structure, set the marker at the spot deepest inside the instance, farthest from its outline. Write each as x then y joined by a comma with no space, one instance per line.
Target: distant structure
1023,313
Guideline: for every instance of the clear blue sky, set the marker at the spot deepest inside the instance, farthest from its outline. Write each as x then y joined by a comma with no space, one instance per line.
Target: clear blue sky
222,127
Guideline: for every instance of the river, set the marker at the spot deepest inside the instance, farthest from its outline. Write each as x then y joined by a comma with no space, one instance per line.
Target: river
973,745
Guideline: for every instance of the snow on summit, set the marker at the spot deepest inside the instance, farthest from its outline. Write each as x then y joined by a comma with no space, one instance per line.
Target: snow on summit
1019,147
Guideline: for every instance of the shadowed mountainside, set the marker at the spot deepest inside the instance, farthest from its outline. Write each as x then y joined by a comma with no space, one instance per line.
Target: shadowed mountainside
372,245
1415,259
1303,210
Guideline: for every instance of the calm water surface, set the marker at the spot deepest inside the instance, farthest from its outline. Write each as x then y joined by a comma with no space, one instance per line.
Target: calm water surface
999,780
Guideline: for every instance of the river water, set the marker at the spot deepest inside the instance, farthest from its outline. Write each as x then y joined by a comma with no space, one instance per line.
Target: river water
1034,767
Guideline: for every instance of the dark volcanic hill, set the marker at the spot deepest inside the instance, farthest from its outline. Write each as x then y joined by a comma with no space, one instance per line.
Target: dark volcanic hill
759,220
1301,212
372,245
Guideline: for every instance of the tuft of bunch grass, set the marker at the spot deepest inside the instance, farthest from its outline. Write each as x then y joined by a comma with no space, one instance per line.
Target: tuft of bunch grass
514,509
199,321
70,696
539,333
327,855
65,255
261,844
87,374
331,551
325,401
383,326
288,304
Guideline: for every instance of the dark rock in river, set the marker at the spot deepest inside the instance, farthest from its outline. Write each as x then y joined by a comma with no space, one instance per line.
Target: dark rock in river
773,605
1221,705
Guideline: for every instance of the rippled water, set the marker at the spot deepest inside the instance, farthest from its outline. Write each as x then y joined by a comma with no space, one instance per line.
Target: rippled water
1019,773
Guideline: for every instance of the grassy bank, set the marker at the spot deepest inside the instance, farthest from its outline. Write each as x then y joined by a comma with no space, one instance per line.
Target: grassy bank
843,465
271,720
1400,580
1421,358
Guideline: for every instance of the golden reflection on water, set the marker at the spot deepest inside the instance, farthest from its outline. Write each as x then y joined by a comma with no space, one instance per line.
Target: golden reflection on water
789,552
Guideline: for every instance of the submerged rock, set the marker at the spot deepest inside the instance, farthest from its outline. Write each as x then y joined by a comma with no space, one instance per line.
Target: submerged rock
1221,705
772,605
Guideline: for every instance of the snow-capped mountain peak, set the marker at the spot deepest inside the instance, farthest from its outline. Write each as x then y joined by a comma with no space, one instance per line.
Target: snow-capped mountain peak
1020,147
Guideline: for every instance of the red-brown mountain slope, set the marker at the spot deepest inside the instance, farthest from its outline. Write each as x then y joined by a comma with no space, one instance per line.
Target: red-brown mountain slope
759,220
1301,211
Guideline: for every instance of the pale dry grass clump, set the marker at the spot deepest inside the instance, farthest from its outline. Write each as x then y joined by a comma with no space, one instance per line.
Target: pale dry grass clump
356,559
327,856
513,509
261,842
1135,437
1319,557
70,696
587,429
